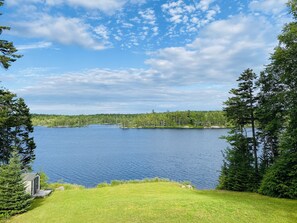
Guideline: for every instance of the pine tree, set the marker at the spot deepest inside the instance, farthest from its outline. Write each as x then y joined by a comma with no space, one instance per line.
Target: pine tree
7,49
240,108
238,173
281,178
13,197
240,169
271,116
15,129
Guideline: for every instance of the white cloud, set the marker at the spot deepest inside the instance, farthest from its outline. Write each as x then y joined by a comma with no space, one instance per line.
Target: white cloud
221,52
175,10
188,18
102,31
204,4
148,19
107,6
268,6
17,2
38,45
149,16
112,91
204,70
61,29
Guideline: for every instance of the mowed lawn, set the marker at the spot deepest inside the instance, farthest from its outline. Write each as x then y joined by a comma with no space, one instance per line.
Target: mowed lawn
157,202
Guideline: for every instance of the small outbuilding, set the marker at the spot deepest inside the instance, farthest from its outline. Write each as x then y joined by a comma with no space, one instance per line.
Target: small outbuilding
32,183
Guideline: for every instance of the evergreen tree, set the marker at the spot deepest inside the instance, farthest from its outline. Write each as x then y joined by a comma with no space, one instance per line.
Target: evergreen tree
271,116
281,178
241,161
240,108
13,197
15,129
7,49
238,173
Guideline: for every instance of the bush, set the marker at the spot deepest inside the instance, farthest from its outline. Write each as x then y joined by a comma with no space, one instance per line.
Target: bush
119,182
13,197
281,178
43,180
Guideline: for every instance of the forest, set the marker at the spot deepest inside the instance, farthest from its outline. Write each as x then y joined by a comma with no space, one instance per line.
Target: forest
178,119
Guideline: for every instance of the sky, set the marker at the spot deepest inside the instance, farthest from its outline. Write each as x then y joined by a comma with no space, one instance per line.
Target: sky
135,56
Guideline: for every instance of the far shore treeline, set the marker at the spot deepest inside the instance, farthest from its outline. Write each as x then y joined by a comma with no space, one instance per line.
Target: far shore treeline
177,119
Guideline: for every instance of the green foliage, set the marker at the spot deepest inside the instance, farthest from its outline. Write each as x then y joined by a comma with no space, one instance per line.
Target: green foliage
104,184
238,172
116,182
178,119
13,196
146,180
15,129
292,4
281,179
276,115
66,186
7,49
43,180
271,116
240,107
240,169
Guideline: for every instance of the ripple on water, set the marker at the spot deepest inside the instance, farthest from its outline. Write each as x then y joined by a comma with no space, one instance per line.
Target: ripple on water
95,154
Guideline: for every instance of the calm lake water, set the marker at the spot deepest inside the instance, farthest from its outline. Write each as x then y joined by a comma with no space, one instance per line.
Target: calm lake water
95,154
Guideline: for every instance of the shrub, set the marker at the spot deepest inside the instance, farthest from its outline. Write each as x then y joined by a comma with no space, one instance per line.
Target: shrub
281,178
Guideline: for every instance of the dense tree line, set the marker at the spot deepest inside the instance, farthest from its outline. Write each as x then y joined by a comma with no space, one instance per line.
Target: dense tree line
178,119
271,102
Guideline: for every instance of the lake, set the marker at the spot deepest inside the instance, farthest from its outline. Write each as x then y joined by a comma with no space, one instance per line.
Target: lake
98,153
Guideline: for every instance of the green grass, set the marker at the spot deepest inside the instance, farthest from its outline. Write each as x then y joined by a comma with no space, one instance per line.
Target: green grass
157,202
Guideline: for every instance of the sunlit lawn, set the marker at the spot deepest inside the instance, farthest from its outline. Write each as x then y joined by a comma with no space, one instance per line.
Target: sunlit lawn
157,202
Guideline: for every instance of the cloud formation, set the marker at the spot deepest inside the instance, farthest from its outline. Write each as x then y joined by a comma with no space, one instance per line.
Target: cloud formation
193,68
268,6
60,29
204,70
112,91
38,45
223,49
106,6
189,17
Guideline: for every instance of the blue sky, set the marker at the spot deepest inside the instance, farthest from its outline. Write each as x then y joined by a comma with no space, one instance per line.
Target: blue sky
130,56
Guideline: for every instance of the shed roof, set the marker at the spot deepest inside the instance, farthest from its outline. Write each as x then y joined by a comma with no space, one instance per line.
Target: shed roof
29,176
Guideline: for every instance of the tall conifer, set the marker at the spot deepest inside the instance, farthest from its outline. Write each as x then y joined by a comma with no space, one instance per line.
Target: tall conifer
15,129
240,169
13,197
281,178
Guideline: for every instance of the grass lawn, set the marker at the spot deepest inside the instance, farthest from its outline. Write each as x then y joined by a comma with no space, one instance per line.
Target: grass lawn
157,202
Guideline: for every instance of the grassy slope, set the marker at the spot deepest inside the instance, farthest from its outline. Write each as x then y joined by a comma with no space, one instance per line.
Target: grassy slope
158,202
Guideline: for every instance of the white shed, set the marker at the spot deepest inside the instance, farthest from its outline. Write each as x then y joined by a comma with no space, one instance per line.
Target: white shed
32,183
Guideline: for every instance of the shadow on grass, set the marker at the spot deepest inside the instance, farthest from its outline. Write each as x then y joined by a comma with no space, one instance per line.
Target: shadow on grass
37,202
